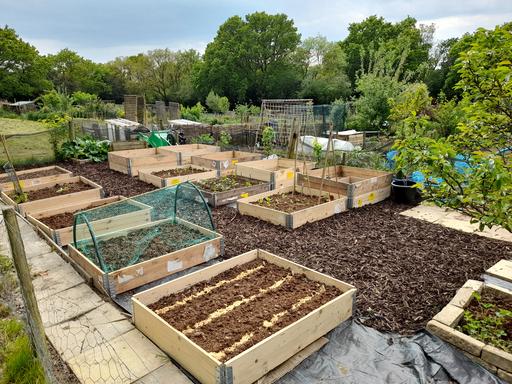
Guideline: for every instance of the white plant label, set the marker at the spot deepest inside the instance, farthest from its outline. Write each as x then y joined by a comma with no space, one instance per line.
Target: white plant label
174,265
210,252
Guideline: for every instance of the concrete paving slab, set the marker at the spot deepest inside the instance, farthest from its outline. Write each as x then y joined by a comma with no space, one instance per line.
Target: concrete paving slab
99,326
68,304
124,359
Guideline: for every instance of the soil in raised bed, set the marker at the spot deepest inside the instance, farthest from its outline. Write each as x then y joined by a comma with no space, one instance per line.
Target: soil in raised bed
56,190
33,175
64,220
226,183
406,270
242,306
488,318
177,172
144,244
289,202
113,182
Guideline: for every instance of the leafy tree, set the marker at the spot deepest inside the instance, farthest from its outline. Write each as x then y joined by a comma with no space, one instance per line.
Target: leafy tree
373,107
70,72
218,104
483,189
374,34
252,58
22,71
327,80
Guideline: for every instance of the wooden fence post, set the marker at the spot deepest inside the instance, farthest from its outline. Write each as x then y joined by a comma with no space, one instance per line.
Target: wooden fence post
36,329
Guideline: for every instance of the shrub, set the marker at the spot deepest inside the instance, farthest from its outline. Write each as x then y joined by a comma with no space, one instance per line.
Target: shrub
267,139
224,139
216,103
192,113
204,138
85,148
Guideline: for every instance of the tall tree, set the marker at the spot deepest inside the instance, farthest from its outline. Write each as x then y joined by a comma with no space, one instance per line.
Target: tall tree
374,34
252,58
326,80
70,72
22,71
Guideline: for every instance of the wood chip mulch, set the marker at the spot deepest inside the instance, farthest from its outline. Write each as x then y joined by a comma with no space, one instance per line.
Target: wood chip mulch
405,269
113,183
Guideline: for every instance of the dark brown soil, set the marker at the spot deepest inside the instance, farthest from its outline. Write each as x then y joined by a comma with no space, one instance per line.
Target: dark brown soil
406,270
57,190
66,219
177,172
33,175
148,243
259,299
226,183
289,202
113,183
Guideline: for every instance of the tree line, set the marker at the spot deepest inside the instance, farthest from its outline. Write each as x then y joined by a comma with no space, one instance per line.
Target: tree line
258,56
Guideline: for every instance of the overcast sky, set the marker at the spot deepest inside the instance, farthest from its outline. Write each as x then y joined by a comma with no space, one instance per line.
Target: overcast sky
102,29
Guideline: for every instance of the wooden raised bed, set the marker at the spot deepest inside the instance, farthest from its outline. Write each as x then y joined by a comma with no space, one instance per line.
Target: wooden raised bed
147,175
127,145
295,219
136,275
217,199
64,200
360,185
223,161
252,363
186,151
444,326
27,181
64,236
130,161
278,172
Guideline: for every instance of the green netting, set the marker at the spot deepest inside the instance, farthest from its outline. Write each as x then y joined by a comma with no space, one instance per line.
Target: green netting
143,227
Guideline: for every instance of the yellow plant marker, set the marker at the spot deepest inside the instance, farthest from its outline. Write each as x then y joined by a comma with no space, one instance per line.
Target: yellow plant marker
175,181
244,195
289,175
371,197
234,162
359,203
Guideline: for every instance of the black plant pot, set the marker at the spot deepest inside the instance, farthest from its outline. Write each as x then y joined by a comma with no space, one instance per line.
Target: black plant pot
403,192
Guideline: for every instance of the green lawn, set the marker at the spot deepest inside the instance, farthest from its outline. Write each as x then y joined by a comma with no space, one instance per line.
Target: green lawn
23,148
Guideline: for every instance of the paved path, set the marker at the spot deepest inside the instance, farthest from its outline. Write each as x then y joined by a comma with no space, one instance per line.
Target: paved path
452,219
94,337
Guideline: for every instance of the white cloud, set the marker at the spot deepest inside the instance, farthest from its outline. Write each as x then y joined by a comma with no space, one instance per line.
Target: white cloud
456,26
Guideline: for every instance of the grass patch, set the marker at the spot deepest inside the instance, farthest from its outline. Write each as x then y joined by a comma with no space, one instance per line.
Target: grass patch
18,364
34,149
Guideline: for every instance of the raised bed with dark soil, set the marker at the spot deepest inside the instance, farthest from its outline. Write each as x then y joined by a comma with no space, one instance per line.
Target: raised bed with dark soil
56,190
113,183
63,220
249,302
289,202
406,270
226,183
33,175
148,242
229,188
177,172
